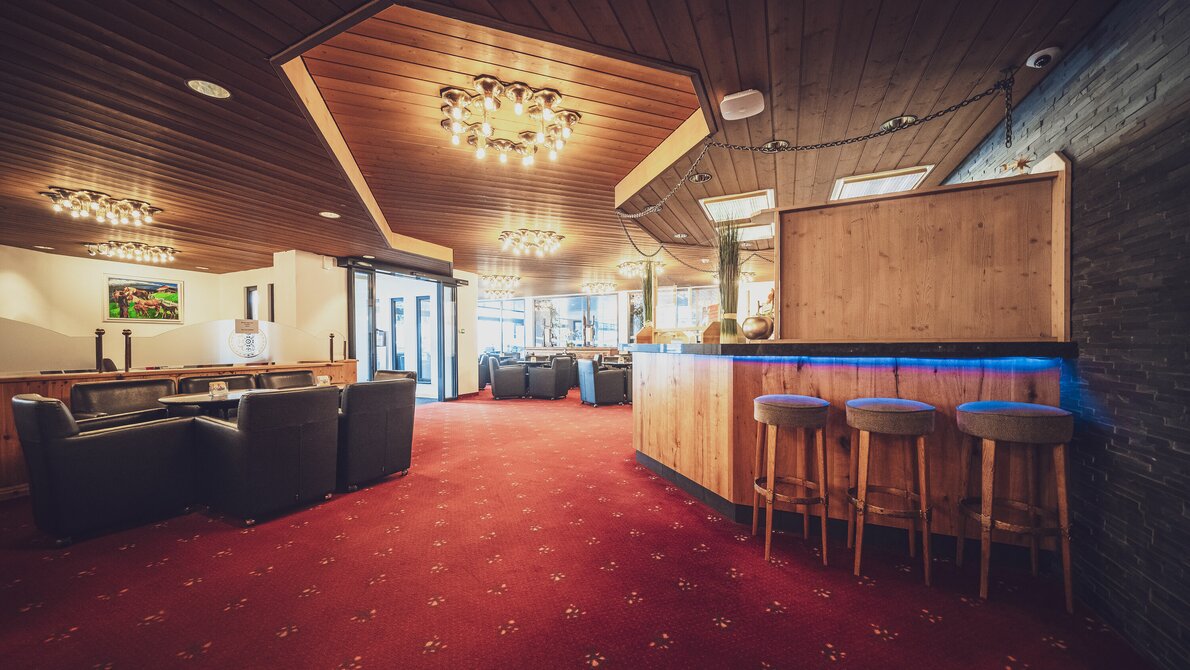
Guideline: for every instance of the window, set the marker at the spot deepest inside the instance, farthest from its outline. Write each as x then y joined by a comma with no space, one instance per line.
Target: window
272,302
880,183
251,302
576,321
685,308
737,207
501,325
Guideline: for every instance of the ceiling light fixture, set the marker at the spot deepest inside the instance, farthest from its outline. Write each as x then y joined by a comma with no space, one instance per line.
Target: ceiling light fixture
42,247
599,287
368,257
700,177
201,267
549,127
531,242
132,251
773,146
499,282
209,89
499,294
744,276
640,267
83,204
898,122
330,215
681,236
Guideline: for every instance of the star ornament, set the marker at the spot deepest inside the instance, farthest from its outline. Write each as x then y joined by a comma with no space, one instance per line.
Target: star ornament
1019,165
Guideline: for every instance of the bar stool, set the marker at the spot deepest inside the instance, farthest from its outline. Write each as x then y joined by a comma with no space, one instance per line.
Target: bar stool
1032,426
789,411
889,416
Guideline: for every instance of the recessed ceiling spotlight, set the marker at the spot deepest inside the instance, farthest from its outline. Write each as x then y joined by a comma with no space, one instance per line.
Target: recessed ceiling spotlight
704,260
700,177
42,247
209,89
201,267
369,257
898,122
681,236
773,146
329,215
1044,57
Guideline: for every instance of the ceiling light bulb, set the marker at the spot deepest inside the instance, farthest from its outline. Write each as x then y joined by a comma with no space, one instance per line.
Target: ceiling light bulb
527,160
486,129
553,155
148,218
558,144
488,103
74,213
503,157
518,108
547,113
566,131
454,139
540,137
57,207
456,112
456,127
480,153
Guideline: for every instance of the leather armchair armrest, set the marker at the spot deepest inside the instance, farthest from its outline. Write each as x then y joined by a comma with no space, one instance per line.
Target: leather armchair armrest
212,430
87,415
123,419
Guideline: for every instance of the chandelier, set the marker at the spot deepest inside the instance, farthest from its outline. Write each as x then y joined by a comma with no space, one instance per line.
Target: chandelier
499,294
744,276
82,204
499,282
535,242
597,287
135,251
470,116
639,268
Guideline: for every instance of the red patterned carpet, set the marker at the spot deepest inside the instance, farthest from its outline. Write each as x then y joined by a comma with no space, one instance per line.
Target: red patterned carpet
525,537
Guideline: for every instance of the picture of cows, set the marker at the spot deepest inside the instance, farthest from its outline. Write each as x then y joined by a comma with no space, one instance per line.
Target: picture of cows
131,299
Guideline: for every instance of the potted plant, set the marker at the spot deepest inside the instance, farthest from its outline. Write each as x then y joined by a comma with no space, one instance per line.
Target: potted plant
729,281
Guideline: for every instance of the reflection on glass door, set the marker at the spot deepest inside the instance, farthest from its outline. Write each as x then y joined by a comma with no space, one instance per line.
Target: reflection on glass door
397,309
450,365
425,339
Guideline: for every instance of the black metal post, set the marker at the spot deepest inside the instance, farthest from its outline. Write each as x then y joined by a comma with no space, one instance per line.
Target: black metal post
332,347
99,350
127,349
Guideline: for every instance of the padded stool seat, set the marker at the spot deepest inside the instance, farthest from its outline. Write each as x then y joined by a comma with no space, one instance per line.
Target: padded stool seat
1016,422
793,411
890,416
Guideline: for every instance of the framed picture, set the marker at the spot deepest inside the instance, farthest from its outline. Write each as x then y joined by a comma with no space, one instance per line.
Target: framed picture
140,299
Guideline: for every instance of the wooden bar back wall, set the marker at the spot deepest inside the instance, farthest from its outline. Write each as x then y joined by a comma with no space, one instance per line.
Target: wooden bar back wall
975,261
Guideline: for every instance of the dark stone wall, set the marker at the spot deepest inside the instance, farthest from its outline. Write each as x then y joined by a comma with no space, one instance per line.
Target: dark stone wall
1118,105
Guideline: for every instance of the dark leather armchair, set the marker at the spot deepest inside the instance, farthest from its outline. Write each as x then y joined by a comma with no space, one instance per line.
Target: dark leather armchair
203,384
485,374
285,379
508,381
375,430
599,387
552,382
83,480
280,452
121,402
386,375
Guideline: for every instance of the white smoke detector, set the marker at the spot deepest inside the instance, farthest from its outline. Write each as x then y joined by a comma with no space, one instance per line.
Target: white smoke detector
742,105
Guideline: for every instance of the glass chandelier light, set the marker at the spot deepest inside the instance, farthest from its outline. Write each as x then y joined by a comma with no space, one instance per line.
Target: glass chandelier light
499,294
499,282
525,242
84,204
598,287
470,117
744,276
133,251
640,267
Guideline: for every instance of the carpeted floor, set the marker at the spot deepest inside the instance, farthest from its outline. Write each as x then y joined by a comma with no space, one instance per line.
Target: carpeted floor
525,537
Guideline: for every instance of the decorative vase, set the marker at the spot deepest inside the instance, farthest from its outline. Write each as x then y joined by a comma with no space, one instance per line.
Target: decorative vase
758,327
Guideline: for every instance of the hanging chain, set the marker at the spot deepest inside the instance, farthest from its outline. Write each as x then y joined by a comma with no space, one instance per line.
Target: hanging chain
1008,81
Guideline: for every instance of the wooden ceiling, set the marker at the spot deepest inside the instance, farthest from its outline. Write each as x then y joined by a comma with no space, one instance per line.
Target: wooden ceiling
94,97
381,79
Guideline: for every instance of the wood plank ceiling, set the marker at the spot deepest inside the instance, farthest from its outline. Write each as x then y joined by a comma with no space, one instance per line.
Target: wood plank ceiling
93,96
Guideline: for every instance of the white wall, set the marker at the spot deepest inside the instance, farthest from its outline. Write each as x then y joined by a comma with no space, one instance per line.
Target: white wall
231,291
468,299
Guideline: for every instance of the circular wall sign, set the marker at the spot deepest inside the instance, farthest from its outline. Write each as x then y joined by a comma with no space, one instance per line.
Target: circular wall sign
247,345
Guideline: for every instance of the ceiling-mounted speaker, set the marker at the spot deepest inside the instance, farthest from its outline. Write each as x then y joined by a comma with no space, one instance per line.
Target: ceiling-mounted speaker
742,105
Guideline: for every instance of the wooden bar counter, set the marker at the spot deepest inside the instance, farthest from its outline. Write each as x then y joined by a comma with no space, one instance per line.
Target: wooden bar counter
693,421
12,465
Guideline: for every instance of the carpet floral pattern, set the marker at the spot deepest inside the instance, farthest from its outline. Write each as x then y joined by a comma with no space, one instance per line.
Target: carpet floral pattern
525,536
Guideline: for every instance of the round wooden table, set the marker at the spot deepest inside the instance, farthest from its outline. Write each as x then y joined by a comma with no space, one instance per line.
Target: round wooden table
207,403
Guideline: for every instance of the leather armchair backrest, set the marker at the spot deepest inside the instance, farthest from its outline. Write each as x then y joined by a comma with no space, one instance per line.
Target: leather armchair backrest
586,372
387,375
114,397
379,396
287,379
493,365
295,407
562,370
39,419
598,359
202,384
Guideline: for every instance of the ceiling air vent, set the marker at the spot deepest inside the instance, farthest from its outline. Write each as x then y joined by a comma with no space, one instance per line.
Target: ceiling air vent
880,183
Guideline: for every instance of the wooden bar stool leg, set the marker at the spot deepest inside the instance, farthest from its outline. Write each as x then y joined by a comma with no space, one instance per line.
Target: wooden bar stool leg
756,474
960,519
907,477
988,485
820,450
862,495
804,466
771,474
923,490
852,476
1064,523
1031,499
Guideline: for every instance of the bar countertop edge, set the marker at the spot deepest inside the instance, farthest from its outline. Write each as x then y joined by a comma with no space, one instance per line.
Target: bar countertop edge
972,350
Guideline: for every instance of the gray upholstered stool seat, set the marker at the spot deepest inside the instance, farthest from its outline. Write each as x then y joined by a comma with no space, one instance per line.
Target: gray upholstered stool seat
890,416
794,411
897,417
1019,425
1015,422
803,414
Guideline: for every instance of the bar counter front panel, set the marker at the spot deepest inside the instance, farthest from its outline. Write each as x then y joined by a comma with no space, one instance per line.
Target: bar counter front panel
693,414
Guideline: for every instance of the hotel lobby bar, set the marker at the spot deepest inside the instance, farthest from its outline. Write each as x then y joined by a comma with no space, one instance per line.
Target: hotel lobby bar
594,334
